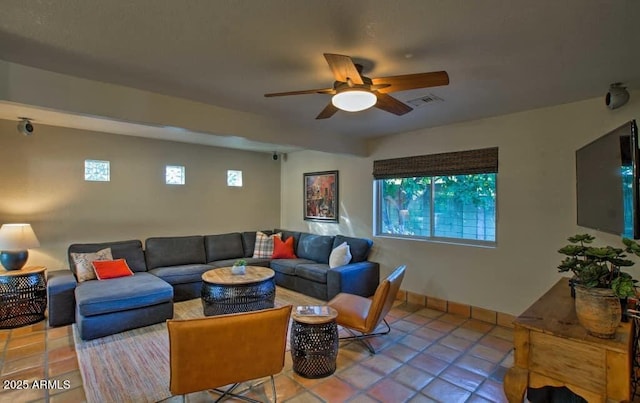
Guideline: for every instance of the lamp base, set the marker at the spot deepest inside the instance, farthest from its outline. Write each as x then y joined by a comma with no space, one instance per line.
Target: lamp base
14,260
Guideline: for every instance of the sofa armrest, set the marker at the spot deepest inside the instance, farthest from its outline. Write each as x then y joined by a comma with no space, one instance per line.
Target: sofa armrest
61,297
360,278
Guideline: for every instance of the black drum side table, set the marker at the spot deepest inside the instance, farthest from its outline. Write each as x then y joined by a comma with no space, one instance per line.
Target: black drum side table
23,296
314,341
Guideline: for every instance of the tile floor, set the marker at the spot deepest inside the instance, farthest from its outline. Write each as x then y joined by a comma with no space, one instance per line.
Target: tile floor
429,356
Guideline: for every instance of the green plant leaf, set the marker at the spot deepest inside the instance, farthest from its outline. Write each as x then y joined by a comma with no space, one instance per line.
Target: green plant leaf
586,238
632,246
603,252
623,286
569,263
600,266
572,250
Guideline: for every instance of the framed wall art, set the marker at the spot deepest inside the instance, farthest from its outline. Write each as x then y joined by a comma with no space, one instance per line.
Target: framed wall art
321,196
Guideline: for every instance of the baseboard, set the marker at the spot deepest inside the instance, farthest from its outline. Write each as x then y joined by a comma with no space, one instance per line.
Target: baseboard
456,308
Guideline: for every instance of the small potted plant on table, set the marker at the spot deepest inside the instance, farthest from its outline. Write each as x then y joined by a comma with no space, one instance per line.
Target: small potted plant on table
599,282
239,267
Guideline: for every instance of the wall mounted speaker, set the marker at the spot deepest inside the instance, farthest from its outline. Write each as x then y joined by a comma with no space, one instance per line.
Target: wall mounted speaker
617,96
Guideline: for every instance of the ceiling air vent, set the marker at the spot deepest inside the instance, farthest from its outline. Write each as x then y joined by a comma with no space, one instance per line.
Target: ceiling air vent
426,99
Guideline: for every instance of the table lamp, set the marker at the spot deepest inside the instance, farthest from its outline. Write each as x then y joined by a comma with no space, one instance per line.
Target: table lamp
15,240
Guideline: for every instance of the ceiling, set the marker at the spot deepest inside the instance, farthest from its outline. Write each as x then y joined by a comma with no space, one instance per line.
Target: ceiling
502,56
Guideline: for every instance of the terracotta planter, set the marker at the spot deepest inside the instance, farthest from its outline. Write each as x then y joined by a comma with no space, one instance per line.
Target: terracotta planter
598,311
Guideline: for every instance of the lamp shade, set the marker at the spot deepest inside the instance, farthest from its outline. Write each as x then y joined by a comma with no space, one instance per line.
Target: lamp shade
354,100
17,237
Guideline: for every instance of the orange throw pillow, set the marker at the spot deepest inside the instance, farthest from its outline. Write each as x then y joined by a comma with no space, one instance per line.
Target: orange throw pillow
111,269
283,249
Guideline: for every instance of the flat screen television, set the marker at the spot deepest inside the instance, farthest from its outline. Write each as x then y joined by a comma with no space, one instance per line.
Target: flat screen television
607,182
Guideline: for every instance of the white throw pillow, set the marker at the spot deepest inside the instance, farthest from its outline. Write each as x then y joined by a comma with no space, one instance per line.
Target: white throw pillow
340,256
84,268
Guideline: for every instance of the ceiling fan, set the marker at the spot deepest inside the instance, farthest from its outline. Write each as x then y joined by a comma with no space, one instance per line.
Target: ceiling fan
354,92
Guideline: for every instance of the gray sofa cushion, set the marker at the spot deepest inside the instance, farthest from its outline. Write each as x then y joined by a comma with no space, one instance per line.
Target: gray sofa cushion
98,297
223,246
188,273
131,251
359,247
92,327
174,251
249,241
61,285
315,247
288,266
313,271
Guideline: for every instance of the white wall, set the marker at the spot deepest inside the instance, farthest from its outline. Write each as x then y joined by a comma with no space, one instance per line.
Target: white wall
42,183
536,202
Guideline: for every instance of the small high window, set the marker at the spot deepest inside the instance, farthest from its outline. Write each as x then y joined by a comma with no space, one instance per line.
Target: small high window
234,178
174,175
97,171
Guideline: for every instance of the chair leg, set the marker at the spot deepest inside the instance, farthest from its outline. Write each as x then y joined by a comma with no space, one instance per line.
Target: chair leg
362,337
228,392
273,389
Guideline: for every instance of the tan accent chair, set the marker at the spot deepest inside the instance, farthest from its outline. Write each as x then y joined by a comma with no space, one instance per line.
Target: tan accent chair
215,351
365,314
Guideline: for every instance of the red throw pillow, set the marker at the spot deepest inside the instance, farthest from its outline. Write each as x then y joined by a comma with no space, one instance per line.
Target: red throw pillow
283,249
111,269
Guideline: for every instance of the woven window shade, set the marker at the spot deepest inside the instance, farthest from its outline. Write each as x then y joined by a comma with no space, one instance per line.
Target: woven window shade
455,163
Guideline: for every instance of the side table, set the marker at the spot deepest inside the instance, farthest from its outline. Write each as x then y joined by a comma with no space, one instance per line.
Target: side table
23,296
314,341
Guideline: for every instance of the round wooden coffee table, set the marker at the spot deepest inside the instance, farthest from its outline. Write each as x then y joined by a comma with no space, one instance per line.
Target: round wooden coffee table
314,341
224,292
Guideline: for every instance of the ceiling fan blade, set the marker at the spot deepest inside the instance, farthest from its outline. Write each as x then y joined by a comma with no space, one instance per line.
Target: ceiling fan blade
327,112
412,81
392,105
343,68
318,91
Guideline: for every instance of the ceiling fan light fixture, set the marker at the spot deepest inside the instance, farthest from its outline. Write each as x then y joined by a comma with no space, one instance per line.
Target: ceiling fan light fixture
354,100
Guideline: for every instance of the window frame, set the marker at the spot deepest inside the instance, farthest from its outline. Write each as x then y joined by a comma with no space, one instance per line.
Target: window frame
470,162
377,224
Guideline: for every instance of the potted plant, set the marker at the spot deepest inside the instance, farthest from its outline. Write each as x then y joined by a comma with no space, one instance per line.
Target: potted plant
239,266
599,282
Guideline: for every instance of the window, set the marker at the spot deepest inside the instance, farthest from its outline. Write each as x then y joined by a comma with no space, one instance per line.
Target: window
234,178
174,175
446,197
97,171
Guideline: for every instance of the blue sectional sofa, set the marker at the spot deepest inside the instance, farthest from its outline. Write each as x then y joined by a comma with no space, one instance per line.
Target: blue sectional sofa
169,269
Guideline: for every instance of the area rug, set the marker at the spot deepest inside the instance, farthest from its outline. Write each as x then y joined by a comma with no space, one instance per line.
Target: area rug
133,366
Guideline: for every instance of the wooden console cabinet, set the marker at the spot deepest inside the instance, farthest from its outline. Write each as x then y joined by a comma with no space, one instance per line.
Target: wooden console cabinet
552,349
